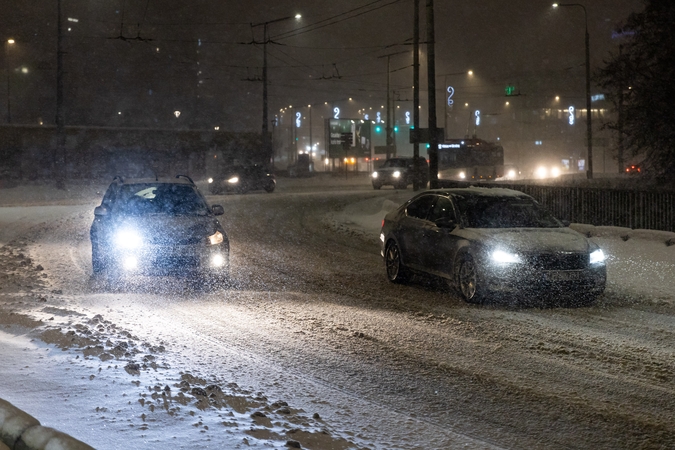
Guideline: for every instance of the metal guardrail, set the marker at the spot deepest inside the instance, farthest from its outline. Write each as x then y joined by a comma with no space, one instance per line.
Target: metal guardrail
598,206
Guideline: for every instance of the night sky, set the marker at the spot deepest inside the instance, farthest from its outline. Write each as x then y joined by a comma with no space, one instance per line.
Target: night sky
146,59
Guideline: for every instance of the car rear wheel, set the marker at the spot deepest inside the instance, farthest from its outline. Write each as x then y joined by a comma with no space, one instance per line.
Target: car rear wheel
396,271
468,280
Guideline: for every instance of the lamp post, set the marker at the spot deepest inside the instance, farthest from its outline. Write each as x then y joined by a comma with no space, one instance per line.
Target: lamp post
10,42
265,125
589,128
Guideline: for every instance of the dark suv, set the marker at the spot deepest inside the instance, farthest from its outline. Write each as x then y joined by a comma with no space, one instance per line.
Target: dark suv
155,225
400,173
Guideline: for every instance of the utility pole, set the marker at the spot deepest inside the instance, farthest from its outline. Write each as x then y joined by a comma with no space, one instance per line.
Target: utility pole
389,129
59,157
431,74
416,91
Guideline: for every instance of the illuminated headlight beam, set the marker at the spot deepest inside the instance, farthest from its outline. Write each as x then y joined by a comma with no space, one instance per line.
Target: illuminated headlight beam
217,261
128,239
597,257
502,257
216,238
233,180
396,174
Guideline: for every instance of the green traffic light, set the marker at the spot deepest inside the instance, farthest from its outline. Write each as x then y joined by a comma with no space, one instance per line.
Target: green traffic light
396,129
378,129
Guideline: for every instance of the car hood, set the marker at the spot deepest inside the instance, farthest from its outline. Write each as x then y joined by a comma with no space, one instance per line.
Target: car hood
530,240
167,229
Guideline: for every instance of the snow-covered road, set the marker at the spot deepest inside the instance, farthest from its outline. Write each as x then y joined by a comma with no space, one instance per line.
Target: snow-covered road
311,344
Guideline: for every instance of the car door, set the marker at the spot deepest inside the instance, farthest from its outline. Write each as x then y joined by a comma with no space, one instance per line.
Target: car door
412,227
439,240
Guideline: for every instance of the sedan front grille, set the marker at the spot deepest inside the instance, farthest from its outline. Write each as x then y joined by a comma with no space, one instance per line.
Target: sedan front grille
558,261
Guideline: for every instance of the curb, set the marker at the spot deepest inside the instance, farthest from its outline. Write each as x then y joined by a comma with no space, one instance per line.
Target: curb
21,431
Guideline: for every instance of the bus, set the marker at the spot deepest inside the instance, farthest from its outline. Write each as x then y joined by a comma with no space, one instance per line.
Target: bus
470,160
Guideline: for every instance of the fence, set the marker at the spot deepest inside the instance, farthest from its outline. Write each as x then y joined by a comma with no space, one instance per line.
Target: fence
649,210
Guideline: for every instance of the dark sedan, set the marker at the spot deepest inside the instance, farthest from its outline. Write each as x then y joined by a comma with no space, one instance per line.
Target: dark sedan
490,241
243,178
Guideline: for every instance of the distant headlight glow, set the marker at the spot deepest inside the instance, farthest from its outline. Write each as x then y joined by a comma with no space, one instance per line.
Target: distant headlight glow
233,180
374,175
396,174
130,263
462,175
597,257
502,257
216,238
128,239
210,180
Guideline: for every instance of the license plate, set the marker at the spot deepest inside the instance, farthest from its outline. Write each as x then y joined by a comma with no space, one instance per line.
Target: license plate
563,275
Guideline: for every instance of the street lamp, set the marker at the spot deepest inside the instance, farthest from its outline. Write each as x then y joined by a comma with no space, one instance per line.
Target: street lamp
265,126
589,128
10,42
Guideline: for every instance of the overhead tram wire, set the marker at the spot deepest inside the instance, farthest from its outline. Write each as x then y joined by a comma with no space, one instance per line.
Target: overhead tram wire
317,25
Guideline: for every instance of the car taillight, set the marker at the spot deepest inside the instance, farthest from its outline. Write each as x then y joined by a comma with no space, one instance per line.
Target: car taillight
382,224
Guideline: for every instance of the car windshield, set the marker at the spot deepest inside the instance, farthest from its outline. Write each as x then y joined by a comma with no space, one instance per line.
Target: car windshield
504,212
161,198
394,163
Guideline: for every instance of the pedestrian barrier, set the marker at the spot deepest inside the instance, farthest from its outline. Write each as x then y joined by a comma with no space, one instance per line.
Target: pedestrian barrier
21,431
635,209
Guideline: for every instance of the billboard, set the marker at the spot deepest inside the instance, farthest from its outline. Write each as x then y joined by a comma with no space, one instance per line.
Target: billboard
360,142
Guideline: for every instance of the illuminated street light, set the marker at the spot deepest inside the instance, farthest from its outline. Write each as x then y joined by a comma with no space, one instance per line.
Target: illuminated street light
10,42
589,127
265,125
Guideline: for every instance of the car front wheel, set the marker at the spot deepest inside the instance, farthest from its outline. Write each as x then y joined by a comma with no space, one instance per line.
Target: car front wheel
396,271
468,280
98,264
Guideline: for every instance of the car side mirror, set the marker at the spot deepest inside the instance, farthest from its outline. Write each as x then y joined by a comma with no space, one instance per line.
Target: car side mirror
446,223
100,211
217,210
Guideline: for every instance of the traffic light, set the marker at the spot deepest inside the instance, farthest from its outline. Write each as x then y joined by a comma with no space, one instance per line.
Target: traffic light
378,129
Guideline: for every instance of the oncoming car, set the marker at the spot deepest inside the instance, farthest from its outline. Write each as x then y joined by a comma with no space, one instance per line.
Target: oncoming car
400,173
151,226
486,242
241,179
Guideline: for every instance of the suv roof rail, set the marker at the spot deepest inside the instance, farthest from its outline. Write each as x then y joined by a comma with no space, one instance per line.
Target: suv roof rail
186,177
118,179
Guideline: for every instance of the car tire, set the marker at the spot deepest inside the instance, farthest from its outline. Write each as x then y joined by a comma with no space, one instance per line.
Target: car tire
396,271
468,281
98,264
270,186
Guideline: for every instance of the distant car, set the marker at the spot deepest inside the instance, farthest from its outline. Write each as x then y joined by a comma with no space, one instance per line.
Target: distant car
150,226
634,169
243,178
486,241
399,172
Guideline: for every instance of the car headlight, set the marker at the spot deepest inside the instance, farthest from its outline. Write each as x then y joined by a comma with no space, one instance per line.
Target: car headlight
128,239
462,175
233,180
374,175
210,180
502,257
396,174
216,238
597,257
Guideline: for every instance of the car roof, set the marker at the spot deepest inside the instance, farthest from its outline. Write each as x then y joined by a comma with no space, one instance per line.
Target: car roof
180,179
472,191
